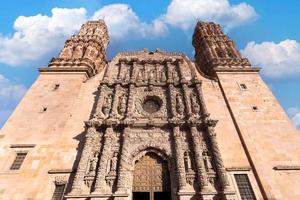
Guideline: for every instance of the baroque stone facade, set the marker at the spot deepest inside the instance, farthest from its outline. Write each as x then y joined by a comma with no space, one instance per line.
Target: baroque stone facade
157,125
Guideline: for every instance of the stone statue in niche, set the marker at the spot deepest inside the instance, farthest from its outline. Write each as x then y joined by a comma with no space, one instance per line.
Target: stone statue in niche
93,163
113,163
140,75
107,104
66,52
194,103
152,76
175,75
126,76
187,161
78,52
179,104
207,161
163,76
122,104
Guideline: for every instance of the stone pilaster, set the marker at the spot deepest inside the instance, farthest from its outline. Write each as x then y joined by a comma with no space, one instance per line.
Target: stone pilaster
100,184
114,111
84,159
129,112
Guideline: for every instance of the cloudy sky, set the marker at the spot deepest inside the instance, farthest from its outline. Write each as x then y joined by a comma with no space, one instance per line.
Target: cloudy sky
267,32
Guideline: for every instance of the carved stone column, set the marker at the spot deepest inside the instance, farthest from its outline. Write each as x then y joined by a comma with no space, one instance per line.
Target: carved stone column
186,99
201,100
84,159
185,90
100,184
201,173
217,155
122,176
179,158
172,100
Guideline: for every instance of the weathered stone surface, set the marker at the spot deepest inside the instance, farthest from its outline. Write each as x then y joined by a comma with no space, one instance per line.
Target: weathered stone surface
95,125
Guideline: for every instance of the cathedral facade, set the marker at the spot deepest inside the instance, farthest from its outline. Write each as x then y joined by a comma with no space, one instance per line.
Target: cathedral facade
149,125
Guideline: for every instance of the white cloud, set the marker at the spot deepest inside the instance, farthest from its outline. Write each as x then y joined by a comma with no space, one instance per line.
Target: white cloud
122,22
294,113
185,13
10,94
276,59
38,35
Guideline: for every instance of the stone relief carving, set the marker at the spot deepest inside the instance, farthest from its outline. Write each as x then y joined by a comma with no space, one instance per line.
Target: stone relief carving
93,163
207,162
122,104
113,163
107,104
179,104
187,162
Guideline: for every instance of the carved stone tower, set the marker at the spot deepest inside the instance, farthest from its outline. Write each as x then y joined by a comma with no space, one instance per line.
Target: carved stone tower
149,125
215,51
85,51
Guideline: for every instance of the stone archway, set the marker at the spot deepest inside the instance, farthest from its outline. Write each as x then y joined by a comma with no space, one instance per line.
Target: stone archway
151,178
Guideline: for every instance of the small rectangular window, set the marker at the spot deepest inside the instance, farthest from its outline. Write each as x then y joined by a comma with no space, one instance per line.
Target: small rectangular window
243,86
244,187
58,192
18,161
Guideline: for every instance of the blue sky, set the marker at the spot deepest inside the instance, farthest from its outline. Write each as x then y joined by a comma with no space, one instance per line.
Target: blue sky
267,32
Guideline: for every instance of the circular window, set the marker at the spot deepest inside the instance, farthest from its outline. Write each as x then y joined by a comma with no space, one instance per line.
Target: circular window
152,104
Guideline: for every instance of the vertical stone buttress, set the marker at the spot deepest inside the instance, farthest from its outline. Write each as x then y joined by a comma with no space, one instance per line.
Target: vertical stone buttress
83,52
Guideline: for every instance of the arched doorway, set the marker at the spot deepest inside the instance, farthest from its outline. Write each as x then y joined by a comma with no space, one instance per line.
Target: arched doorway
151,179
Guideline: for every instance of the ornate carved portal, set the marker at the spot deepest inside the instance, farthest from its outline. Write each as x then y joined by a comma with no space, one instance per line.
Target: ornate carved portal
151,175
150,131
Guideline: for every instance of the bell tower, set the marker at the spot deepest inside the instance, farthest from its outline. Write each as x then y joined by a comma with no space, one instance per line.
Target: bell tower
216,51
83,52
